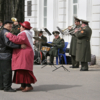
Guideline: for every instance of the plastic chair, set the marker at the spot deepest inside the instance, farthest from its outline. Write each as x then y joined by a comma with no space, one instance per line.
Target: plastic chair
60,54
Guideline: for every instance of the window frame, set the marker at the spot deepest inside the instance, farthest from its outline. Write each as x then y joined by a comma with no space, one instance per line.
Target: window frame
73,10
44,17
29,13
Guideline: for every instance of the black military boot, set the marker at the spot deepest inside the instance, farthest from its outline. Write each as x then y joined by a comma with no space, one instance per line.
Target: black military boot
84,66
9,90
83,69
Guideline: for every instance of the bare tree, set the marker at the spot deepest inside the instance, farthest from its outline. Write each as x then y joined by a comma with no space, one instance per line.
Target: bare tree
1,10
12,8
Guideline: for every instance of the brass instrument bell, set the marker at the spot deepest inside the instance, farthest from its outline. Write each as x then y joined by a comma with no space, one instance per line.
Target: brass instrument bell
14,19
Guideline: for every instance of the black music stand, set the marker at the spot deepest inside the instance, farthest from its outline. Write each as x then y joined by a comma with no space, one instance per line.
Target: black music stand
48,33
62,67
60,30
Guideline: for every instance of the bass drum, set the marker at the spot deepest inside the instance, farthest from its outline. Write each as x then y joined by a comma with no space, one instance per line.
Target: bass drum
39,56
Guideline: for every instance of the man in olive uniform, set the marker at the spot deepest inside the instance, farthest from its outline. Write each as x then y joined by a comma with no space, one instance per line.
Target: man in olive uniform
36,43
15,28
58,43
83,51
72,51
1,26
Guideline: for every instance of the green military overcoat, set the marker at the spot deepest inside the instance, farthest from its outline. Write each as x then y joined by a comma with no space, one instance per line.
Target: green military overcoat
60,45
41,44
73,44
83,51
15,29
45,40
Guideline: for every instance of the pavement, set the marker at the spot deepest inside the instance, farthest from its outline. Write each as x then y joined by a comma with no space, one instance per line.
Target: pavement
60,85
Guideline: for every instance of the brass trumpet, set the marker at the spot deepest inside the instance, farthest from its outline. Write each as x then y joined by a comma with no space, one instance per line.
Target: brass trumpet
14,19
63,31
67,28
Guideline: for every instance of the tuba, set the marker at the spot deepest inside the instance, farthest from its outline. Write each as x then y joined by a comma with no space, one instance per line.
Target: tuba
14,19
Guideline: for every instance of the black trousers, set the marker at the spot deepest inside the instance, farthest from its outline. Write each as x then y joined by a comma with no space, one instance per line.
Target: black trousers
5,74
51,57
25,85
74,62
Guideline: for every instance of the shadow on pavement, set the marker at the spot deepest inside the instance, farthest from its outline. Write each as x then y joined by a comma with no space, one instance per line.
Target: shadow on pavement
53,87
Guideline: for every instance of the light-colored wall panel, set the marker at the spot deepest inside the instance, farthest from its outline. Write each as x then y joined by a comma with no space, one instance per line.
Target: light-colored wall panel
61,4
96,17
25,8
61,25
61,11
25,13
82,9
34,2
26,2
62,18
95,33
34,7
31,19
95,25
95,41
34,25
95,50
96,9
34,13
95,2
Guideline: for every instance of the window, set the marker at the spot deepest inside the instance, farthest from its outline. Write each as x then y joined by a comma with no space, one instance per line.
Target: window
29,3
45,13
74,1
75,4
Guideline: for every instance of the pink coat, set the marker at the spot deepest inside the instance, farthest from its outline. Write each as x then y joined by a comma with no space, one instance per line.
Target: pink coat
21,58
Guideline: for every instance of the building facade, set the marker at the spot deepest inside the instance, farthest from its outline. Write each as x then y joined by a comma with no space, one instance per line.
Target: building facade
53,13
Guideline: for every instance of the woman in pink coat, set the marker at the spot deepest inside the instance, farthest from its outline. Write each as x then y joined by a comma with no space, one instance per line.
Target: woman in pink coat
23,59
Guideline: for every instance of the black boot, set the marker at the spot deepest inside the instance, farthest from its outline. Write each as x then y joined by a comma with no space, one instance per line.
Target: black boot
10,90
84,66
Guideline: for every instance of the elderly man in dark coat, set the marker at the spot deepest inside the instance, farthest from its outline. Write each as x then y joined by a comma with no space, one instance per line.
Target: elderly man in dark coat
6,48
